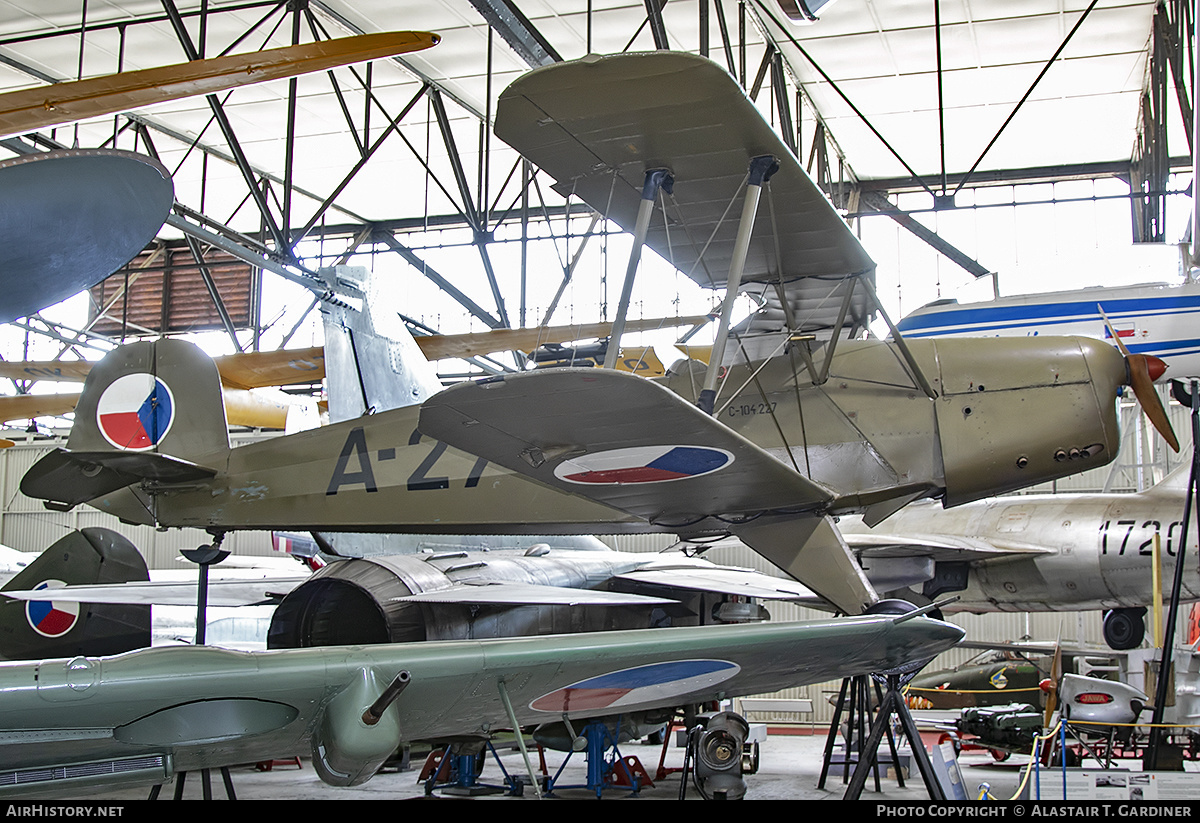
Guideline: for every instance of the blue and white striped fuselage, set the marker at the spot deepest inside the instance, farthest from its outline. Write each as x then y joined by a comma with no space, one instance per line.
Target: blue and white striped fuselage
1157,319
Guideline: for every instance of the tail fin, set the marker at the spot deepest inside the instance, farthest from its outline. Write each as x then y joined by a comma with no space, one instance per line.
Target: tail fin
147,411
1175,482
32,629
372,363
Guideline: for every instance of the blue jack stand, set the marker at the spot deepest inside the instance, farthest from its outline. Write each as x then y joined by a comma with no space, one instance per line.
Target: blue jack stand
603,772
463,771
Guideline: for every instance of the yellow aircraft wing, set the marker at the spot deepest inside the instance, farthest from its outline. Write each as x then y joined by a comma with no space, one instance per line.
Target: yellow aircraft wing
251,370
439,346
242,408
29,109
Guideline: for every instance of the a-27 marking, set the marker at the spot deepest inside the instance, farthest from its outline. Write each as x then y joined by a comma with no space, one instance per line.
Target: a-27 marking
355,448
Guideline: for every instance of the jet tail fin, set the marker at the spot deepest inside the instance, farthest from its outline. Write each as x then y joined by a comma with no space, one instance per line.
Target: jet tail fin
372,363
32,629
149,411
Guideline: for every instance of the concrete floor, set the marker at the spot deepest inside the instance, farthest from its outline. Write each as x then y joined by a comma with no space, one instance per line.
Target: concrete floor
789,769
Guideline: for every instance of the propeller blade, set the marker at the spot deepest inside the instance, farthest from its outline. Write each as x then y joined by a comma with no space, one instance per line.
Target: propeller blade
1141,379
1052,690
1143,370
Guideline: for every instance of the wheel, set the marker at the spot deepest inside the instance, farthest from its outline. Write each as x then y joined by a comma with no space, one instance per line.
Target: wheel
750,760
1124,628
999,756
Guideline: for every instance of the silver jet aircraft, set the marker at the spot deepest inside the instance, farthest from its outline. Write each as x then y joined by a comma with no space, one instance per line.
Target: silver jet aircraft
1035,553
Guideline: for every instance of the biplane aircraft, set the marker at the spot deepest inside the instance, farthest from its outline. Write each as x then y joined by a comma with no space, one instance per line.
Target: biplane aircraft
852,425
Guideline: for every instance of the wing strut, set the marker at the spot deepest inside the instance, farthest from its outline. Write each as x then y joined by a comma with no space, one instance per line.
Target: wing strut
761,169
512,718
655,179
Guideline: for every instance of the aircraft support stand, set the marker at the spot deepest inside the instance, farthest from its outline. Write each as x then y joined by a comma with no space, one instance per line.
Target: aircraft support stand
857,691
601,773
893,702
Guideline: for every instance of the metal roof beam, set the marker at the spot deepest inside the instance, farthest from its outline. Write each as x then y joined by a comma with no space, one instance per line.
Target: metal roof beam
521,35
879,202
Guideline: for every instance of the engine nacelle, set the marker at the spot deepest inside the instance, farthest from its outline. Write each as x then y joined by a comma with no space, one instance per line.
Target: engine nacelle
356,602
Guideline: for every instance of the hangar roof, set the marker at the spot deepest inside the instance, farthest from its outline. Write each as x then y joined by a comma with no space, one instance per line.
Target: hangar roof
869,68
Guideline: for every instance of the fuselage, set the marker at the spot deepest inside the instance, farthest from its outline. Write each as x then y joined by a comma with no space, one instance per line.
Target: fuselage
1157,319
867,434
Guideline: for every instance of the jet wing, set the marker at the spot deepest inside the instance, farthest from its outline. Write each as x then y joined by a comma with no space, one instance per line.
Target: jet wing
598,124
220,592
935,547
679,573
517,594
620,440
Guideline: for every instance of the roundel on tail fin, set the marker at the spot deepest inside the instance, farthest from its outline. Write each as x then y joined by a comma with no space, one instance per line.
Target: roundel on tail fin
135,411
51,618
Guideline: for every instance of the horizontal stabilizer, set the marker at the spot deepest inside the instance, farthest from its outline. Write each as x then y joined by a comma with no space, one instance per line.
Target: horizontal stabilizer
515,594
620,440
70,478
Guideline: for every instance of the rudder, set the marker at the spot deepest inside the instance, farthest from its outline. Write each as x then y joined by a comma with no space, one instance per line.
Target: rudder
147,411
32,629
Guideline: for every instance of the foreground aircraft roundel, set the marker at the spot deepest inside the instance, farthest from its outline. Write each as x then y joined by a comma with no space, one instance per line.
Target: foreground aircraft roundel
654,683
50,618
135,412
643,464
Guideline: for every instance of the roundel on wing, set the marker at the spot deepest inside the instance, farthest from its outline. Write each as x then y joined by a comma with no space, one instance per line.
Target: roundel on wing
653,683
643,464
49,618
135,411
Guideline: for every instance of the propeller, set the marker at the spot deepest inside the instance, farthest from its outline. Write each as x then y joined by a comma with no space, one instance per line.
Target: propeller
1050,684
1141,372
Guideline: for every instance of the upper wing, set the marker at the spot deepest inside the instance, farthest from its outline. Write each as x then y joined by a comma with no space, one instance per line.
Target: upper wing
598,124
620,440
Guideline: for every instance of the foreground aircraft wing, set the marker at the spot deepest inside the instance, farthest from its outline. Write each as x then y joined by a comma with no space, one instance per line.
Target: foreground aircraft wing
519,594
598,124
142,717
